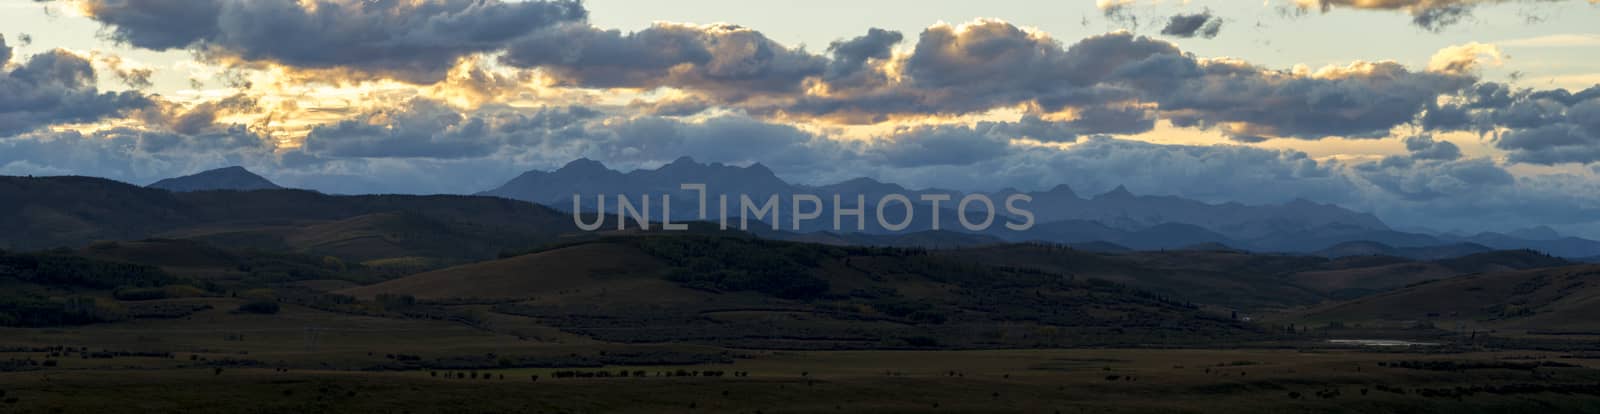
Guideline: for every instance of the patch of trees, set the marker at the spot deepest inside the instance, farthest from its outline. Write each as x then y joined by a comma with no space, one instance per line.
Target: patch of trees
736,264
19,365
27,311
233,362
58,268
1456,366
130,293
164,310
108,354
642,373
1501,389
575,360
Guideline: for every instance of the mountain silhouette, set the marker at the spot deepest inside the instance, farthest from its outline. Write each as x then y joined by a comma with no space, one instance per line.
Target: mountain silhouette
1118,216
229,178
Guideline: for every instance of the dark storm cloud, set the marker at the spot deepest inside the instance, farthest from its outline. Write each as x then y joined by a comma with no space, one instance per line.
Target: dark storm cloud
1190,25
1536,126
415,41
731,62
57,87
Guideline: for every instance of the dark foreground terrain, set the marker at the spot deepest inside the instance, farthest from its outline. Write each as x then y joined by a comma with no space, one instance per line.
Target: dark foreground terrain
290,301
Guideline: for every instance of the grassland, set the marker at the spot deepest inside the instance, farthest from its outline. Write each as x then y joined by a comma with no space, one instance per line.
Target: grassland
1069,381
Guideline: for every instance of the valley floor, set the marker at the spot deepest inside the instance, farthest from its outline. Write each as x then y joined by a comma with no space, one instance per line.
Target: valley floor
1067,381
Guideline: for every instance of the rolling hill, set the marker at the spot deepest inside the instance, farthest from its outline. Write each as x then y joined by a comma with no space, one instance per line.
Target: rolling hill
1249,281
228,178
743,291
1434,252
1558,298
600,268
74,211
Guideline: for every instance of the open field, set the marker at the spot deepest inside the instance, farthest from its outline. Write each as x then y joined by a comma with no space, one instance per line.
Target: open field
1071,381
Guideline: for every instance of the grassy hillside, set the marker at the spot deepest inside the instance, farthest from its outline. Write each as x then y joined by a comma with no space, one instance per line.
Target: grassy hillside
742,291
601,268
74,211
1561,298
1248,281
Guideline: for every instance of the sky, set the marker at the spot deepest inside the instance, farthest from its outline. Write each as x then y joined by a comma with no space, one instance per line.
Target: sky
1447,115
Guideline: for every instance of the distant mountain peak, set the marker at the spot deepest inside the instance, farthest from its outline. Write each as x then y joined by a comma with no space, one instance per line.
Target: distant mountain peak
1536,233
582,165
865,185
758,168
1120,192
862,180
226,178
1063,189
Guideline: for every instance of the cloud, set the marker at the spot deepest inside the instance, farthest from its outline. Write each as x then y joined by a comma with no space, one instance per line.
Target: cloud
414,41
969,69
732,62
1190,25
131,155
1432,15
984,65
130,74
1544,127
1360,100
1213,173
990,64
1464,58
942,145
57,87
1426,180
851,57
1424,147
1555,40
5,52
423,128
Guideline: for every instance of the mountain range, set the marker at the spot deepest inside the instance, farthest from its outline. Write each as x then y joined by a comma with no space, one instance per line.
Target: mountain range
1119,217
1117,220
